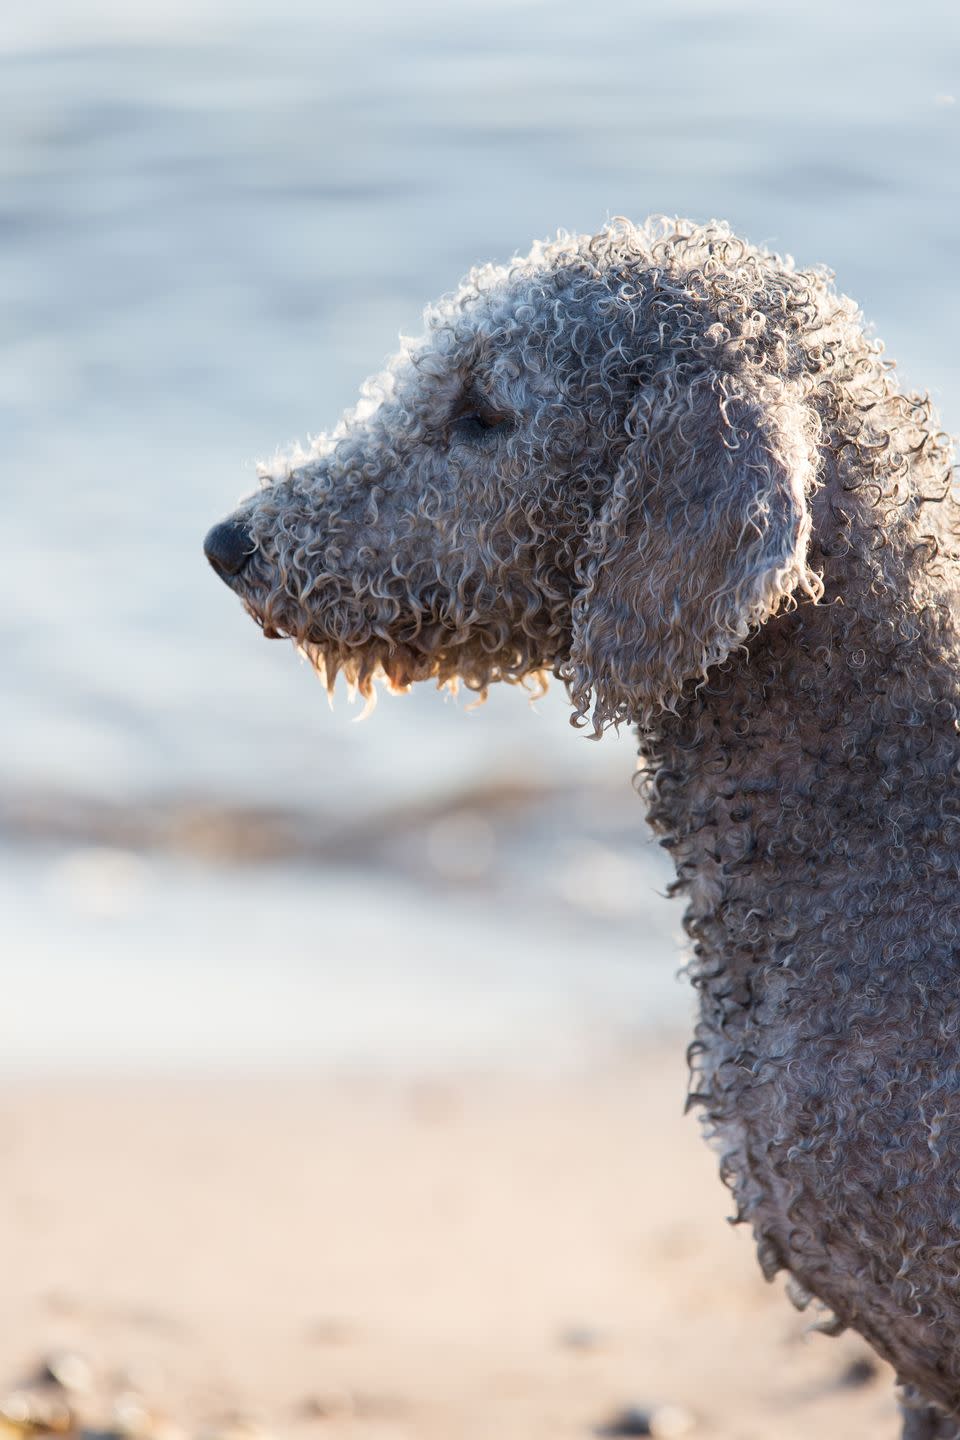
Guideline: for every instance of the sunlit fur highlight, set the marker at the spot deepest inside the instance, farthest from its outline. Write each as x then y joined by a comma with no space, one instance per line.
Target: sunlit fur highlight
697,495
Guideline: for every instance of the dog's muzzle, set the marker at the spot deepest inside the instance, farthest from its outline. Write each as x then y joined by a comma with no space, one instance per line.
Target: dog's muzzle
228,547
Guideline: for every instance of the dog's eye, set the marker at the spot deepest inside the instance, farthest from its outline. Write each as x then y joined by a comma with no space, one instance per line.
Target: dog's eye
477,425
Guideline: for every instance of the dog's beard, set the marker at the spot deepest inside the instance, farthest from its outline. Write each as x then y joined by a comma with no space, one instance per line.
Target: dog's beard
400,666
397,666
405,652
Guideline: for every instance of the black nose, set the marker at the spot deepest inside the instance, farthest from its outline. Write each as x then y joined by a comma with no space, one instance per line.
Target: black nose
228,547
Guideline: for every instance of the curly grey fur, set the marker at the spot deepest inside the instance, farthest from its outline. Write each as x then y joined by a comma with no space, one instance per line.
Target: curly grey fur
674,471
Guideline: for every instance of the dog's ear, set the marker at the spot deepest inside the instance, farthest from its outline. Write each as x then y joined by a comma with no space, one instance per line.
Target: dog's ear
702,536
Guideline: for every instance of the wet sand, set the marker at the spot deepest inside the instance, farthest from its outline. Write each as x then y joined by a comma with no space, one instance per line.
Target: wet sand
472,1258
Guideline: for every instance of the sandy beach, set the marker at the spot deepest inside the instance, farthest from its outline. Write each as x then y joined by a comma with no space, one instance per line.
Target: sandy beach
471,1258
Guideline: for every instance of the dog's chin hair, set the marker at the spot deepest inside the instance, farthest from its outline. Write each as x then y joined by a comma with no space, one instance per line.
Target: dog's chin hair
362,668
398,669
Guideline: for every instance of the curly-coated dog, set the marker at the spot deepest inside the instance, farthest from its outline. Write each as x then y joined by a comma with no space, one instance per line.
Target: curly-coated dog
674,471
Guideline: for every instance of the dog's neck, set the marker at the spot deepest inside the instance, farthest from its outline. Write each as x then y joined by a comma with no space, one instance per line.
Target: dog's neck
820,761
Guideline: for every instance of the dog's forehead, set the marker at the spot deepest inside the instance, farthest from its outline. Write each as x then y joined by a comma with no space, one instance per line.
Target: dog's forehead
475,350
495,333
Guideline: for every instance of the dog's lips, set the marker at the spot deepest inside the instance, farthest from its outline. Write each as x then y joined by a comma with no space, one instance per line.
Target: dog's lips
266,627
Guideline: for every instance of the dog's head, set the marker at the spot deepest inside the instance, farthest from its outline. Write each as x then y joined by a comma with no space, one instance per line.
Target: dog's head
596,462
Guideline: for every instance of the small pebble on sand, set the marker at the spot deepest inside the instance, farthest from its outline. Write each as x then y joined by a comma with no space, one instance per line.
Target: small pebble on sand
67,1368
664,1422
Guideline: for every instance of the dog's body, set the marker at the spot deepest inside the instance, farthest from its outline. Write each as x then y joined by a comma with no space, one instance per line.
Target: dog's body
673,470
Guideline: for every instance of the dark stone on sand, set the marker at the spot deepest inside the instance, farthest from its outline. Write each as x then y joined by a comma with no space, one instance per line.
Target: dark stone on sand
862,1371
581,1337
632,1421
664,1422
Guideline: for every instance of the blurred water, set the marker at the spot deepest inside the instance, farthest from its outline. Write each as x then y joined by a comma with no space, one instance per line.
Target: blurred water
215,218
169,966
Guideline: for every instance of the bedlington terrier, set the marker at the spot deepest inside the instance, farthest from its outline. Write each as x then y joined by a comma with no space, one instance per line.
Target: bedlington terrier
674,471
